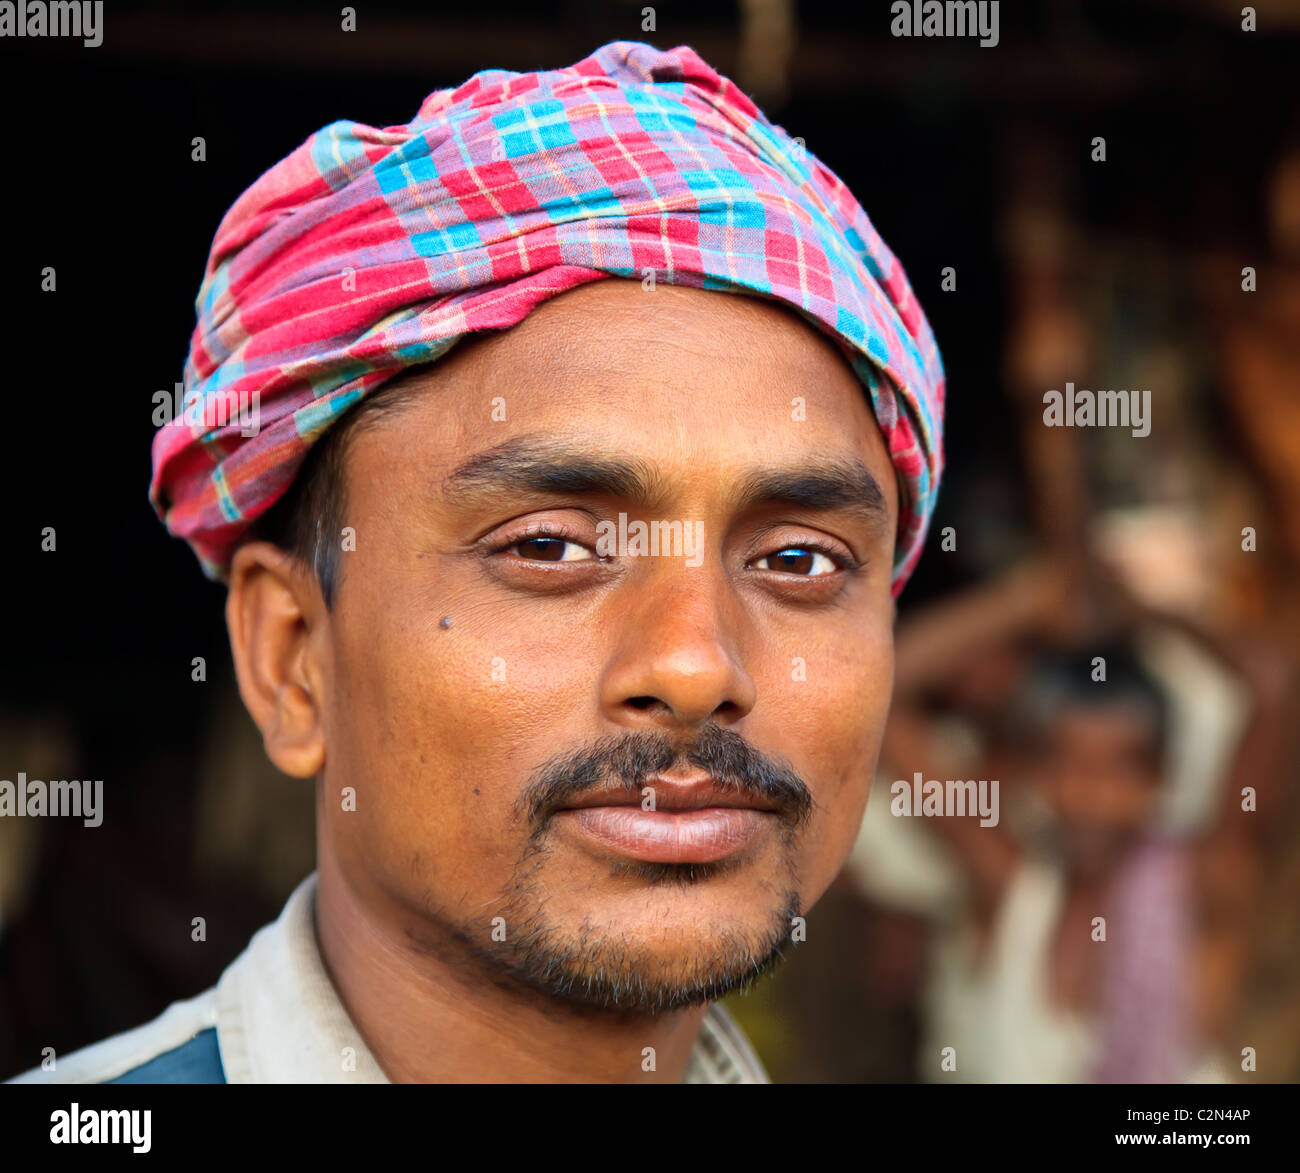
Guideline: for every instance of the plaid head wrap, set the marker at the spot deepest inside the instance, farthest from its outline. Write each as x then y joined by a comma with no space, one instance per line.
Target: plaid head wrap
367,251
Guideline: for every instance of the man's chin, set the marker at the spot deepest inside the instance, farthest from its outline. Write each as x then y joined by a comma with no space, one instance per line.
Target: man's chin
646,966
626,983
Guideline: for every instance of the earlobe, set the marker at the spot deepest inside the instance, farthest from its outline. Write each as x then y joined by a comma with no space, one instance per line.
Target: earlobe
272,612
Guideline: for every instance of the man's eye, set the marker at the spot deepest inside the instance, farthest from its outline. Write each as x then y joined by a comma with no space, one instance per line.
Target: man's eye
550,550
799,560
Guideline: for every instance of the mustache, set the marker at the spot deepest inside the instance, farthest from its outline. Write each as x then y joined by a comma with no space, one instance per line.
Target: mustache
629,760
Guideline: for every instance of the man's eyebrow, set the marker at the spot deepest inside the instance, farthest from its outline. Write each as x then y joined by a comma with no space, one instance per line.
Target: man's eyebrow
528,464
845,486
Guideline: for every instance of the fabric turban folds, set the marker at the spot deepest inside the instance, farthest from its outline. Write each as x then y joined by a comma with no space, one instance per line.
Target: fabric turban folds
367,251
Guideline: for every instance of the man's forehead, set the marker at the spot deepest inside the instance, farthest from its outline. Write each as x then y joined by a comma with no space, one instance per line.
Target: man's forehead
609,354
621,326
604,390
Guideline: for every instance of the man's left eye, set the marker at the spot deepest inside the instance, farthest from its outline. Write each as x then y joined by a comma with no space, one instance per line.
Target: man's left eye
800,561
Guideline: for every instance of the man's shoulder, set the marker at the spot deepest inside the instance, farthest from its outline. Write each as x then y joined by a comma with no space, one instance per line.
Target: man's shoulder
179,1046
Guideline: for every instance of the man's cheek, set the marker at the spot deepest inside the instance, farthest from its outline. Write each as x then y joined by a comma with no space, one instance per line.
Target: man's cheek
837,717
845,742
461,747
499,709
425,827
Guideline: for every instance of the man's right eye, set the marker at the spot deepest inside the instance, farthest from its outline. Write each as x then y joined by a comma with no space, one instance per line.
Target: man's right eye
550,549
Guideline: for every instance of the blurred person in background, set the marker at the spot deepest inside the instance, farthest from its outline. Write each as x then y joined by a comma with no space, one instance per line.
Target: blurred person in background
1026,983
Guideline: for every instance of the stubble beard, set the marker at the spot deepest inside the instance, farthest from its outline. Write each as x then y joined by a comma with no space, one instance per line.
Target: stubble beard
598,968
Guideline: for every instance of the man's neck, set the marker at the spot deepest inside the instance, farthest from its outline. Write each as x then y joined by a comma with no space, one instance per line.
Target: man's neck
427,1021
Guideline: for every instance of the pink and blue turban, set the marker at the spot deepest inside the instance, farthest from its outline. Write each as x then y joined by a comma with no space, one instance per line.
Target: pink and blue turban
369,250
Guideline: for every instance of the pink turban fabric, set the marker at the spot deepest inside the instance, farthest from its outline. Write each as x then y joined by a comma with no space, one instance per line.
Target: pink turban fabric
367,251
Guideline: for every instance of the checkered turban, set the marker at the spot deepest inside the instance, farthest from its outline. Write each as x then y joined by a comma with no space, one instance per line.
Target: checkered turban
369,250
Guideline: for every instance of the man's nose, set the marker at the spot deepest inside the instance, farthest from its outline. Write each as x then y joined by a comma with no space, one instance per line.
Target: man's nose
678,662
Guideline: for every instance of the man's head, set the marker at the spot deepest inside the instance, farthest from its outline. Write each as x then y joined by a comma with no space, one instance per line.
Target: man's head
483,674
578,604
1098,749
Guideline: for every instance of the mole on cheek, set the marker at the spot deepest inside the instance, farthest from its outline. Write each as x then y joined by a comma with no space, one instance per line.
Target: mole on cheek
446,621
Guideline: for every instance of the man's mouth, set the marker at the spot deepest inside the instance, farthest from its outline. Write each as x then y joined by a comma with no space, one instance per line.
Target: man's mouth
696,820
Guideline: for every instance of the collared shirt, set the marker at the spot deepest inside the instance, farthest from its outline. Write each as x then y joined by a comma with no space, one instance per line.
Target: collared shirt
275,1017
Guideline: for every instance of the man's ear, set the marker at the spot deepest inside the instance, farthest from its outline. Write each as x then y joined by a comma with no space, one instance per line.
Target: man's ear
277,620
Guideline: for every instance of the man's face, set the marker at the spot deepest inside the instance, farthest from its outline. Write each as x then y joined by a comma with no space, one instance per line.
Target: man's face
508,694
1101,777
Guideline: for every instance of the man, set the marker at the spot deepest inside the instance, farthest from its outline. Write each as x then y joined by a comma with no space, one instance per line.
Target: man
584,631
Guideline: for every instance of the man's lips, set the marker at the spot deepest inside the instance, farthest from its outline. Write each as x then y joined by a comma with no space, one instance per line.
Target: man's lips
694,821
